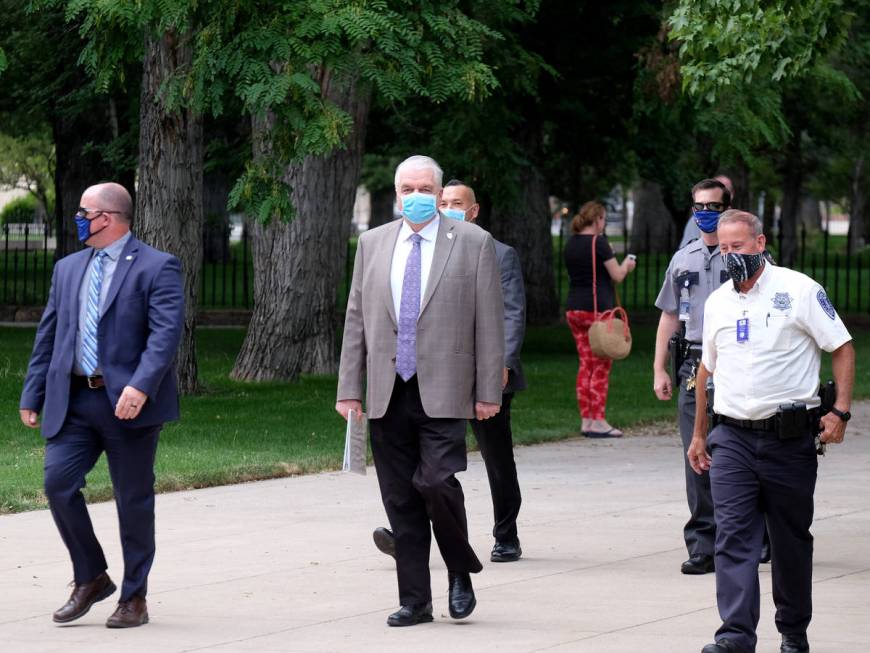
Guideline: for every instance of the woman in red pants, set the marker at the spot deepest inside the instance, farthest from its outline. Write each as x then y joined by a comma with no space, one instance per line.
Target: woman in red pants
594,373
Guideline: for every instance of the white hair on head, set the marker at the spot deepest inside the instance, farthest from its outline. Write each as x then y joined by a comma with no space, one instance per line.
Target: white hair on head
749,219
420,162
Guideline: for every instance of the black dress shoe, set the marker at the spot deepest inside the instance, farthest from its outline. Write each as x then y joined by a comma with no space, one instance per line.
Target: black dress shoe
794,643
722,646
411,615
765,553
699,563
461,595
385,541
506,551
83,597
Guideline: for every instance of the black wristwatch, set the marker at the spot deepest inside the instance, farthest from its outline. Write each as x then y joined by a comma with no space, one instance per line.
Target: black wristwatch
843,416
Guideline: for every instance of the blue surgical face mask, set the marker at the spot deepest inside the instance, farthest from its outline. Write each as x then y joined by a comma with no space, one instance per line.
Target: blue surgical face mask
419,207
456,214
706,220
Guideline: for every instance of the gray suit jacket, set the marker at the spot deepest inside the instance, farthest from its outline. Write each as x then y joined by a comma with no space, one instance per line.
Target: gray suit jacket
514,292
460,330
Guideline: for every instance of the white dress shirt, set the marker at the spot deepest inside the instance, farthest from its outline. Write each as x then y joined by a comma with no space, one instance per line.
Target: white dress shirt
400,258
790,321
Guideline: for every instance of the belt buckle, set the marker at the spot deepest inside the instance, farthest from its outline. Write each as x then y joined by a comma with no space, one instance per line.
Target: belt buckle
92,382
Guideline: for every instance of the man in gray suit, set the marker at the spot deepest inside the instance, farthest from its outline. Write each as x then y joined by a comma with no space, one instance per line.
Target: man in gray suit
425,327
493,435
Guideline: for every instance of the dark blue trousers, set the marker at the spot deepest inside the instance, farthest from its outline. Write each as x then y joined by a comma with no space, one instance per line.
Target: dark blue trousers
90,429
756,475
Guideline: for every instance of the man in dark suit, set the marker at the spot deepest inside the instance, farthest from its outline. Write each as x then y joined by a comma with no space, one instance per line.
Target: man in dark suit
423,340
102,374
493,435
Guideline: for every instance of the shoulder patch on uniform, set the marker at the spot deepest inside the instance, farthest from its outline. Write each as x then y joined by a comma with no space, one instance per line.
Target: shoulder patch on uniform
826,304
782,301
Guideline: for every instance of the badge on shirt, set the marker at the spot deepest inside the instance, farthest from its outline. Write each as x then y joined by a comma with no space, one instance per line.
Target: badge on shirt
743,330
826,304
782,301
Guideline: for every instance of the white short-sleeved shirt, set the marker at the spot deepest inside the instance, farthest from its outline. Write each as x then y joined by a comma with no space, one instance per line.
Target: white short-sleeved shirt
404,244
790,320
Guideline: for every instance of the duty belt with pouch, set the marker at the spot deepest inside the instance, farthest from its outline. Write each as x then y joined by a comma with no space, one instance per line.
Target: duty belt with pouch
791,421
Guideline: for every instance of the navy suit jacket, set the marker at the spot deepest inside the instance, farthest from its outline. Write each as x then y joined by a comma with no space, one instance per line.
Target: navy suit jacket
514,292
138,336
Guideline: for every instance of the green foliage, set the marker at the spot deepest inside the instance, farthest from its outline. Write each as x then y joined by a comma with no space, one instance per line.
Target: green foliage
3,61
733,43
27,162
21,210
276,57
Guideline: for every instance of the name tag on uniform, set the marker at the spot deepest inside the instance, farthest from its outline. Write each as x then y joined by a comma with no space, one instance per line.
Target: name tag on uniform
743,330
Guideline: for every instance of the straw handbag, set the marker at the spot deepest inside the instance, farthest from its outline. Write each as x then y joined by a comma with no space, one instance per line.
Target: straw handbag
609,335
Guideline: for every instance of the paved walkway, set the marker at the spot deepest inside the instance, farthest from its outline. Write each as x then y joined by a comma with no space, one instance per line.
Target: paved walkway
288,565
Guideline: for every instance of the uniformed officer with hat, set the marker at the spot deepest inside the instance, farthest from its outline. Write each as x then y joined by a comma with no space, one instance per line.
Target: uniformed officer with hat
695,271
763,336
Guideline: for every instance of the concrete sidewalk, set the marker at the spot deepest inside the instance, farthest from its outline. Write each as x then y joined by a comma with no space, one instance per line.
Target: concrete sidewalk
288,565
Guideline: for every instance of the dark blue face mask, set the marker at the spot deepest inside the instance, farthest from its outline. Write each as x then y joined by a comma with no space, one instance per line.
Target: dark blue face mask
706,220
83,228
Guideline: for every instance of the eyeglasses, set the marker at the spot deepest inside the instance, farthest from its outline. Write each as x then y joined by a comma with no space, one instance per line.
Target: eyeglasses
82,212
708,206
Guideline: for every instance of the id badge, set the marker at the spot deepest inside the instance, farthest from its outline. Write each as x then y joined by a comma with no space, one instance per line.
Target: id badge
685,306
743,330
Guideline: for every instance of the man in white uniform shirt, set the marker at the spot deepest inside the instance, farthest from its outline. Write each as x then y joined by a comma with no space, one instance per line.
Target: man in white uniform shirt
763,336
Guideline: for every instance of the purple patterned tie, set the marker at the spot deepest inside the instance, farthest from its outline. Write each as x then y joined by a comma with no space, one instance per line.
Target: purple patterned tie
409,309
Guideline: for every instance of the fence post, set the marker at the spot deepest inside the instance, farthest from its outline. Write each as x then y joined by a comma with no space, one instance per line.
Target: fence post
825,258
646,281
45,261
559,264
836,278
246,296
848,278
24,272
6,264
803,246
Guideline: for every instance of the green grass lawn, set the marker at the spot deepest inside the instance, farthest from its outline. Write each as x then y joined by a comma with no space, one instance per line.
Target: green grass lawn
236,432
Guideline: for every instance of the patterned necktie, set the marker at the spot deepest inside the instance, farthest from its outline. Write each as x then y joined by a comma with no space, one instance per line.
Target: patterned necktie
409,310
92,319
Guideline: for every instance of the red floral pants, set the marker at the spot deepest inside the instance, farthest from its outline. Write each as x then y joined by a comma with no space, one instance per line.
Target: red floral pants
593,375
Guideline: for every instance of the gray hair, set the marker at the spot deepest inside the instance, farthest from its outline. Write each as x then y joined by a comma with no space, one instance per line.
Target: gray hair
750,220
420,162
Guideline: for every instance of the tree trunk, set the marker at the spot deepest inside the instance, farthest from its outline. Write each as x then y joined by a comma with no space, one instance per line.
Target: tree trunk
78,165
652,229
216,219
791,199
169,207
383,200
525,225
298,265
857,207
768,215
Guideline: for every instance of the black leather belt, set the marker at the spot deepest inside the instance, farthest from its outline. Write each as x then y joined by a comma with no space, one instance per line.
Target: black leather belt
769,424
90,382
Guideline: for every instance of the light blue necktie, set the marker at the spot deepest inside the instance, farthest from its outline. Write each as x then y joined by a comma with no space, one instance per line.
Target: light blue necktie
409,310
90,361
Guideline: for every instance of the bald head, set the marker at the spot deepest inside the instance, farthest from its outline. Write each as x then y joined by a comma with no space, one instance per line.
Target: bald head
110,197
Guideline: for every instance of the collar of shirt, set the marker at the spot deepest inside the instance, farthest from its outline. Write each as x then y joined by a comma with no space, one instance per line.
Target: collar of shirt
759,284
113,251
429,232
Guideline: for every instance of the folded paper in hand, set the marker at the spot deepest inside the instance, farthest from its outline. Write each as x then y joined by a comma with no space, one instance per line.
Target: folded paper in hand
355,443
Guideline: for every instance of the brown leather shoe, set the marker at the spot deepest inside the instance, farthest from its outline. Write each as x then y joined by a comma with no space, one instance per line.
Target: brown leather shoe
83,597
129,614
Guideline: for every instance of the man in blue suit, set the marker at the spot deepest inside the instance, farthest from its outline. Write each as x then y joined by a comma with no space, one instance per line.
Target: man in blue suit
102,374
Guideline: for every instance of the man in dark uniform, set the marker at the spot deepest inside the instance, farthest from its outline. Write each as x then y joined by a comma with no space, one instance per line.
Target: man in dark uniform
694,272
763,338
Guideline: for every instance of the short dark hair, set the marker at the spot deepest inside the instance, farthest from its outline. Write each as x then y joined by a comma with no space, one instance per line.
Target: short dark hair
707,184
455,182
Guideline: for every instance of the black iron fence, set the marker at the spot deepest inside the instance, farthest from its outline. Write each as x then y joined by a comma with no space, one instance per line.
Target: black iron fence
226,280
